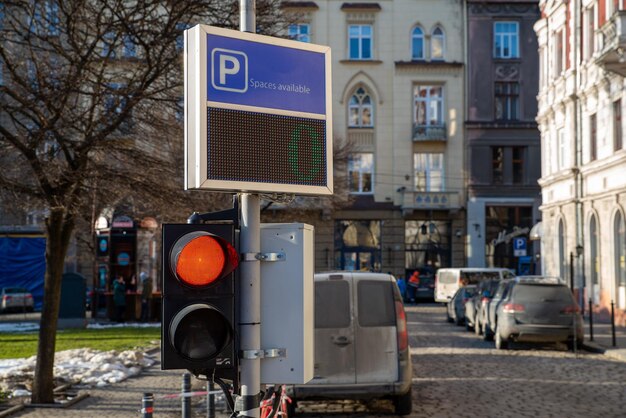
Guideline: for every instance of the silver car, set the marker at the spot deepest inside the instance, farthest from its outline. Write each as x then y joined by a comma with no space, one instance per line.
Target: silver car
537,309
16,299
361,341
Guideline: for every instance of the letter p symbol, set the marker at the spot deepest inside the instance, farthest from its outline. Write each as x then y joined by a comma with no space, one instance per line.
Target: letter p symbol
229,70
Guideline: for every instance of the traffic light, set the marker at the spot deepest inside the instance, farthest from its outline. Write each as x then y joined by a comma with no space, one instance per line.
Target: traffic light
198,322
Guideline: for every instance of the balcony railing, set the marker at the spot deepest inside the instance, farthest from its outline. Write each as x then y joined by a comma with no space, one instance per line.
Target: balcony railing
429,132
612,54
431,200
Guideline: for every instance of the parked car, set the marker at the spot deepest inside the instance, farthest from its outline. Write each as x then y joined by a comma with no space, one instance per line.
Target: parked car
475,307
537,309
448,280
456,306
16,299
361,341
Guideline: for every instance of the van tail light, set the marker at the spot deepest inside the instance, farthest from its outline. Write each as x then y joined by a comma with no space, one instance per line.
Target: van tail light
513,308
570,309
6,298
29,296
403,335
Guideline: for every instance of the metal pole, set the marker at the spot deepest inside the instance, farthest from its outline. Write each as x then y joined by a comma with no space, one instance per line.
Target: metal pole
613,323
210,400
147,405
250,307
590,320
571,271
250,287
185,401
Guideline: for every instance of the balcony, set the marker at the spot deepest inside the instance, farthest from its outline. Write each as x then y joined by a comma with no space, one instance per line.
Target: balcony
430,200
612,54
429,132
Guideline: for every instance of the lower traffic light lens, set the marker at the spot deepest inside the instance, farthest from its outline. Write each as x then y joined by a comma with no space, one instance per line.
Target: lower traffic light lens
199,332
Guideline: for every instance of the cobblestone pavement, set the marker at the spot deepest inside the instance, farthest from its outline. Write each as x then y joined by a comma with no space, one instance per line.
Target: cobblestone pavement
457,374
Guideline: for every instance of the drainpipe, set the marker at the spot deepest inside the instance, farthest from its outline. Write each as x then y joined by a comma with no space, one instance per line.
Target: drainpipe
578,148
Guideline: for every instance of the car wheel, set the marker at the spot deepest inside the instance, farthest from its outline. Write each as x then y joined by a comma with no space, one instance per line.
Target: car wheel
403,404
487,334
448,317
501,344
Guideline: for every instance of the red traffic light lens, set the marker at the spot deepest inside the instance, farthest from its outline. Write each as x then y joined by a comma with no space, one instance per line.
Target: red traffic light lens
203,258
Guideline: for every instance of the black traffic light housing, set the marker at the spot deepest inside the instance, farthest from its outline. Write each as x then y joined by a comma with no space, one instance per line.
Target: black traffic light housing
198,330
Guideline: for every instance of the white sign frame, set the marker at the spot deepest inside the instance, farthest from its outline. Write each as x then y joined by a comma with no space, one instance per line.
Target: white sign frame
196,104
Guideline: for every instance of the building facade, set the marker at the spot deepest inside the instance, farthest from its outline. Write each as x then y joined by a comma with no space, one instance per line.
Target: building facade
503,151
398,98
581,45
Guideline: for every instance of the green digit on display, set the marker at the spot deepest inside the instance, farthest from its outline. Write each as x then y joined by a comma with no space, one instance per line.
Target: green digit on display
294,144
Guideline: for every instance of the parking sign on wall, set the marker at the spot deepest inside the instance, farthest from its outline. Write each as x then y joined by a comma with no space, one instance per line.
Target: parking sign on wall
519,247
257,113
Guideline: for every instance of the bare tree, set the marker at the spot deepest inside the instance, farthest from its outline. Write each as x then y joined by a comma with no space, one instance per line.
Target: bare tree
90,115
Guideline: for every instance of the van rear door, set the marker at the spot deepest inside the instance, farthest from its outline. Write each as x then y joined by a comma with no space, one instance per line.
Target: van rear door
375,331
334,332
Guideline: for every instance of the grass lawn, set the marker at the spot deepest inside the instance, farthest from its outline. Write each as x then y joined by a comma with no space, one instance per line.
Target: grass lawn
14,345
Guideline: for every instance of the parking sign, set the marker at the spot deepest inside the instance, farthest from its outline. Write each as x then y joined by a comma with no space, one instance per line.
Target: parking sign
519,247
257,113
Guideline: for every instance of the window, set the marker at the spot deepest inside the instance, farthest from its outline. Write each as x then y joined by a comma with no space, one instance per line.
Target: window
334,298
357,245
417,44
428,104
497,165
361,172
437,41
593,141
617,125
558,53
429,172
360,110
300,32
376,304
506,40
563,161
360,42
507,101
591,29
518,165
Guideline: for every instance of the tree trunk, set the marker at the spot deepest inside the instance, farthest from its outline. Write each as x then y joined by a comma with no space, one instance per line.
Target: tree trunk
59,228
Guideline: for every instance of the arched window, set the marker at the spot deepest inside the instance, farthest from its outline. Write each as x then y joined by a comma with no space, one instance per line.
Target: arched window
417,44
437,43
619,238
594,257
360,110
561,250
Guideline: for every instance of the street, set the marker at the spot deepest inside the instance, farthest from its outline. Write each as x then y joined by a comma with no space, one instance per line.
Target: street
457,374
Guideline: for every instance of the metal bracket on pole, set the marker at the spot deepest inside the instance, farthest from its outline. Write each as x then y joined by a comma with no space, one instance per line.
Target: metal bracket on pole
269,353
263,257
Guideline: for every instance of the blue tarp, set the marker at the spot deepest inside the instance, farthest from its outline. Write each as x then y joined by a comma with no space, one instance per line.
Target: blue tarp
23,264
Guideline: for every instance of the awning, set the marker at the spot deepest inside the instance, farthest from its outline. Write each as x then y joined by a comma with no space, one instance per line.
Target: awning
536,232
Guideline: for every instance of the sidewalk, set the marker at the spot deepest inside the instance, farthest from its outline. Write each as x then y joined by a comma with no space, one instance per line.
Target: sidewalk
602,341
124,399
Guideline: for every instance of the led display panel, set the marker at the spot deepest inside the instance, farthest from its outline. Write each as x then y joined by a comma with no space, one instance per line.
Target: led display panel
265,148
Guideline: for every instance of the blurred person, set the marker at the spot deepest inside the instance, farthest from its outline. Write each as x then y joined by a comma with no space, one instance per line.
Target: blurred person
119,298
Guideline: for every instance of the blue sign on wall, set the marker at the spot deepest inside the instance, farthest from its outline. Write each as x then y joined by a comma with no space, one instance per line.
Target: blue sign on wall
257,74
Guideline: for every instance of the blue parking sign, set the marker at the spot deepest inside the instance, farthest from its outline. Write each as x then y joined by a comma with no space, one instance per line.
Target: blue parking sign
519,247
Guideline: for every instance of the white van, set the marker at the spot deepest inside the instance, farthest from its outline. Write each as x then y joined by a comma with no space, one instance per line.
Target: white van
361,341
448,280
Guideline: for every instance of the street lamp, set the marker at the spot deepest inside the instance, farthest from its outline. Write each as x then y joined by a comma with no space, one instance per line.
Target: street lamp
579,250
